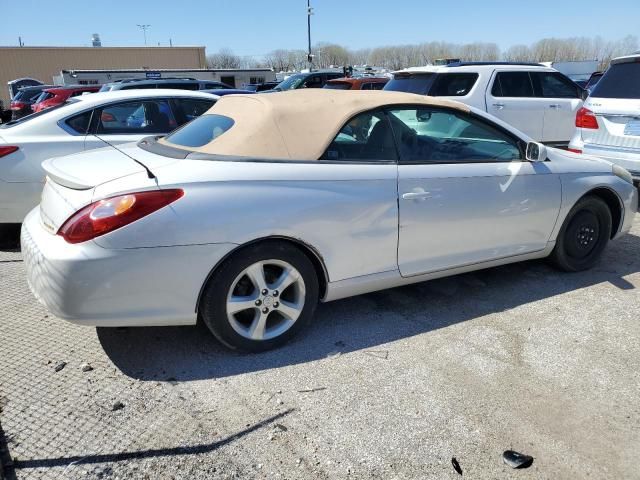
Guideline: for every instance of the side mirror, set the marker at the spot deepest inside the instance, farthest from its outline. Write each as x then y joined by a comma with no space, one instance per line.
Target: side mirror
536,152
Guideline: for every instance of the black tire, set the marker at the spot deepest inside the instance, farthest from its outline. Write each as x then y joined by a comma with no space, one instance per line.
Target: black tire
583,236
213,304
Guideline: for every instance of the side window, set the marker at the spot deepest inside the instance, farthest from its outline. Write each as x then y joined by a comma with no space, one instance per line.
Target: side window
136,118
453,84
186,109
213,86
315,81
512,84
554,85
428,135
366,137
181,86
80,123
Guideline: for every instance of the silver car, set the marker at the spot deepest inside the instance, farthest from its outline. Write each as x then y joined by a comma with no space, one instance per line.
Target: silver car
248,216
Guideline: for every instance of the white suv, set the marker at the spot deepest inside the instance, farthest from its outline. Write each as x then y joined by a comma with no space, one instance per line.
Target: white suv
537,100
608,125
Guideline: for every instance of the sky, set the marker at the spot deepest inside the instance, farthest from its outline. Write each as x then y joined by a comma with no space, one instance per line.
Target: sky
256,27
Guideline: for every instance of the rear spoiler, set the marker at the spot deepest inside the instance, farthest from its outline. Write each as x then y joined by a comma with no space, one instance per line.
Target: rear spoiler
63,178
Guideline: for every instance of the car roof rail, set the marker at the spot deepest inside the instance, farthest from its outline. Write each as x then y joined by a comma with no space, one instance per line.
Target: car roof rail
472,64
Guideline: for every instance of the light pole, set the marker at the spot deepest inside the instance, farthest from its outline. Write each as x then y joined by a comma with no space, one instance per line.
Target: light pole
144,29
309,13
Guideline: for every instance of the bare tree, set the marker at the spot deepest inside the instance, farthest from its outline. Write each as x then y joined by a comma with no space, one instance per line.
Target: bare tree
396,57
225,58
329,54
518,53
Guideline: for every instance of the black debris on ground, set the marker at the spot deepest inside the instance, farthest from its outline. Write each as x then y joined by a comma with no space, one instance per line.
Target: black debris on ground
456,465
517,460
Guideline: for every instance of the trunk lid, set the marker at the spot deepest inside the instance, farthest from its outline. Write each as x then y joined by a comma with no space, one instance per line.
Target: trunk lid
71,180
618,124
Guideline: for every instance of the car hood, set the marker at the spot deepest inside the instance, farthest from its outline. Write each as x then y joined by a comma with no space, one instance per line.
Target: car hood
570,162
85,170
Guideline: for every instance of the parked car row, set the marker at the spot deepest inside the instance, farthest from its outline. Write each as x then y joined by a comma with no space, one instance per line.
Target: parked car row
23,100
163,83
373,190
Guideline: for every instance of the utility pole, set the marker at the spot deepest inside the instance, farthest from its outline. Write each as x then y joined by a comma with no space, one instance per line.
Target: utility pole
144,29
20,42
309,13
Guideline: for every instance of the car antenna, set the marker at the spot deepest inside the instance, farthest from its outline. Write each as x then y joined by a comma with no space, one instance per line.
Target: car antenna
149,172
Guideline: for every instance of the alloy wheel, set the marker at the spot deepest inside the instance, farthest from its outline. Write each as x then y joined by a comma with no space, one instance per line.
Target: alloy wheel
265,300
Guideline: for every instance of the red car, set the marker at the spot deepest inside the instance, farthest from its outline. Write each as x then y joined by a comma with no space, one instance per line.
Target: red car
58,95
358,83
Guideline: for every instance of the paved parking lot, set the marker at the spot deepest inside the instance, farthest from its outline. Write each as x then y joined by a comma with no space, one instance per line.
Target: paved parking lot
389,385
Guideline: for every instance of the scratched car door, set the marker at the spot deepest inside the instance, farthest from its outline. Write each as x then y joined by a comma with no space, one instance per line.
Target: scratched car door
465,193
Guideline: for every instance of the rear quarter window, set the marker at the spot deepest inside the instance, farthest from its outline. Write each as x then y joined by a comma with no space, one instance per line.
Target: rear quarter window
80,123
201,131
414,83
453,84
622,80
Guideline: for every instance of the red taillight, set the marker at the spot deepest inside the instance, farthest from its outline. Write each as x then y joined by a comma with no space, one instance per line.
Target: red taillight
17,106
574,150
585,118
112,213
7,150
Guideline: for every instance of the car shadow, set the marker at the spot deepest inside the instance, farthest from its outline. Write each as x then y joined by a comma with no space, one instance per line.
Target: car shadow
364,323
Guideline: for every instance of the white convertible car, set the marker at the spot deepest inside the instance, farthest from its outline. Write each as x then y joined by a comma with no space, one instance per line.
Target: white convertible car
248,215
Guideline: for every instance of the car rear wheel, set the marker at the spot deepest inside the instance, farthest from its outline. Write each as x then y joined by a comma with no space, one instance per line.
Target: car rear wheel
260,297
583,236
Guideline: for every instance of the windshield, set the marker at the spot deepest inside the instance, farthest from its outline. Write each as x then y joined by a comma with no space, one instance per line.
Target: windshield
291,83
414,83
622,80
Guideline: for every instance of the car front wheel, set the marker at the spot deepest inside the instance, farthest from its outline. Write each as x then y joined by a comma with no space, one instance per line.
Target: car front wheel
583,236
260,297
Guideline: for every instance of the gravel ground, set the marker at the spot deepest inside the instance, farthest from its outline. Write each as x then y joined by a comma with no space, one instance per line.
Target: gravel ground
389,385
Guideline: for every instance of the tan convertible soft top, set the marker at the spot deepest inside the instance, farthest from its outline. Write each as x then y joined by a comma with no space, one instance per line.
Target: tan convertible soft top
298,125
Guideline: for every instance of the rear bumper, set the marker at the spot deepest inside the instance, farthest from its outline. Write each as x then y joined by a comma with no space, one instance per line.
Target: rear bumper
91,285
625,157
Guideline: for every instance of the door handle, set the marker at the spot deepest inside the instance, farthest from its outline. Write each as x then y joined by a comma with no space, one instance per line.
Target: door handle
499,106
416,195
554,106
